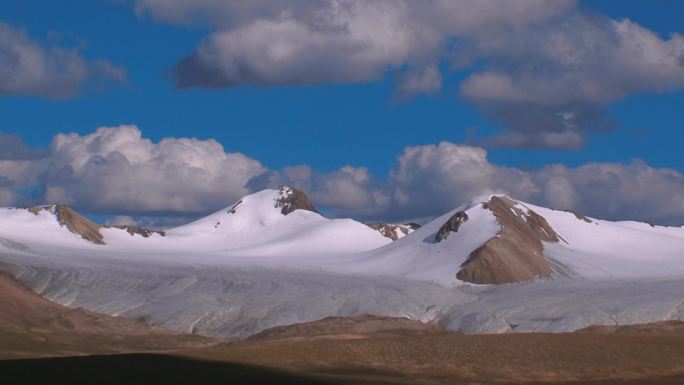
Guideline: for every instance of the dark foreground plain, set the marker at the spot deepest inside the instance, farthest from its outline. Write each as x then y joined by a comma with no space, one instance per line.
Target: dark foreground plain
139,368
433,358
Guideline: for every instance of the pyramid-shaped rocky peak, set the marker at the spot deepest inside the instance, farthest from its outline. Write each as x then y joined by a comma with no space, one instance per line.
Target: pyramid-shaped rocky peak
516,253
291,199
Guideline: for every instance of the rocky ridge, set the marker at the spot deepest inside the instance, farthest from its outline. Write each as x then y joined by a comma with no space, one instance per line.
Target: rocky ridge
84,227
516,254
393,231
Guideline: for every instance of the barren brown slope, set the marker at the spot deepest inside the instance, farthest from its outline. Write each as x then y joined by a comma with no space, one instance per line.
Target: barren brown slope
516,254
31,326
453,358
363,326
673,328
426,357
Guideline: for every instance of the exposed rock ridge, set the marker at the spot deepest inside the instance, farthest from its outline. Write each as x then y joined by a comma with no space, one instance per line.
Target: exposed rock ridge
291,199
233,209
451,226
73,221
516,254
87,229
579,216
133,230
393,231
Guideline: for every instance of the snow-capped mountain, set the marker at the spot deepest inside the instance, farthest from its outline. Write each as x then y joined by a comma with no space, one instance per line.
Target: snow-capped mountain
496,239
276,222
267,223
271,259
60,225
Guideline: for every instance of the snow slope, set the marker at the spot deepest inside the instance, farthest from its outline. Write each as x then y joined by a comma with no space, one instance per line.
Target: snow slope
250,267
603,249
255,225
591,248
417,256
43,227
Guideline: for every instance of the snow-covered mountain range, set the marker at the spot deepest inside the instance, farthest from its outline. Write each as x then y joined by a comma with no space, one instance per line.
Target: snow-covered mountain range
493,264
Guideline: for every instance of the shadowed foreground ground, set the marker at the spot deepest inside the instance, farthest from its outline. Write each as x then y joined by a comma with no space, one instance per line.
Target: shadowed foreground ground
432,358
453,358
132,369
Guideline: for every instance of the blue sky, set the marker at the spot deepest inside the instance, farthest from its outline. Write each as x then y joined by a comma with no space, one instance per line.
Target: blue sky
325,126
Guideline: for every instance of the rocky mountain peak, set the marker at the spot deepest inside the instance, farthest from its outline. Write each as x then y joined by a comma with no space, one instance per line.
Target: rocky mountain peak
291,199
516,253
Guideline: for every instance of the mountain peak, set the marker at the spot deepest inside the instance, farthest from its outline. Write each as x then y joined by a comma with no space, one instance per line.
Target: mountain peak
278,221
291,199
517,251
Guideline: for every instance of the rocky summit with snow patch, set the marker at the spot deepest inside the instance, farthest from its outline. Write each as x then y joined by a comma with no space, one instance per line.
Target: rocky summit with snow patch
393,231
494,264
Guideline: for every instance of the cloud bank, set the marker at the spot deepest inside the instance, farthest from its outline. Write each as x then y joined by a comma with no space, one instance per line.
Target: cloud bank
329,41
544,70
53,72
116,171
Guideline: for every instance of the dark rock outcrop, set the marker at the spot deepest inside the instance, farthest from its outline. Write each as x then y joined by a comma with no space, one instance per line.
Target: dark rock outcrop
412,225
292,199
392,231
233,209
133,230
451,225
516,254
579,216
